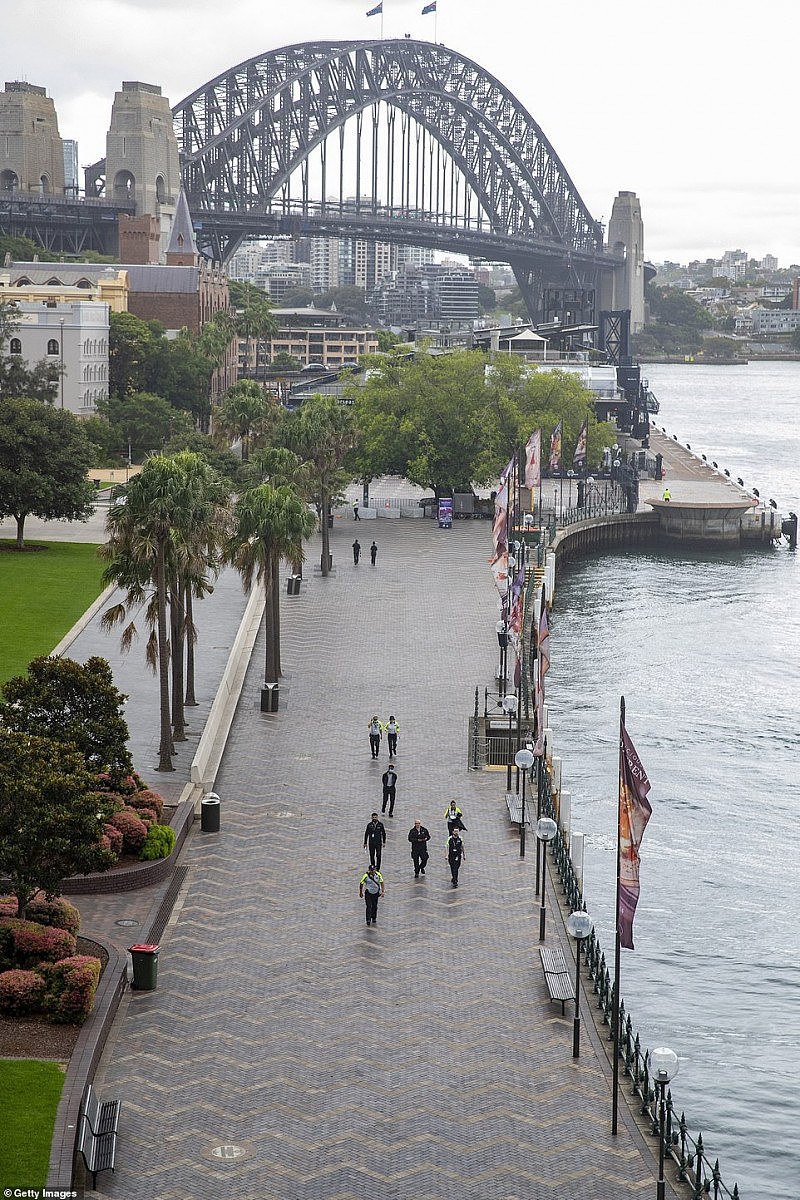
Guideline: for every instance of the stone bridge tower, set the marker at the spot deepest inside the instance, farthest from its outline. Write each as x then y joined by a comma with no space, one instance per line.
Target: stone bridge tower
31,150
625,289
142,164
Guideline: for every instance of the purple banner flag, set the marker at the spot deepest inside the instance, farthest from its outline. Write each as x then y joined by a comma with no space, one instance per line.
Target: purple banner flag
555,449
533,460
634,813
544,639
579,457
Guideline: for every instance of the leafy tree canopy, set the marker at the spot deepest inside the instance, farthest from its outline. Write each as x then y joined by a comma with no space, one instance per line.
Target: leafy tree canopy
50,822
44,458
21,249
74,703
145,421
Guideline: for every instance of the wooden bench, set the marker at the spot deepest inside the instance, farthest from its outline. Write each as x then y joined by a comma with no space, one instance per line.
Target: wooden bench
97,1135
514,804
557,975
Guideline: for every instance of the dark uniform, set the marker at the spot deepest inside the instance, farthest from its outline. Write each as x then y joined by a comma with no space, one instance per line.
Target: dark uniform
419,837
375,840
389,785
455,854
356,551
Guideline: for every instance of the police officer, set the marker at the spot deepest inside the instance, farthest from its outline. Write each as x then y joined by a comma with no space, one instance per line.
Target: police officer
375,730
455,853
371,888
392,730
453,817
419,837
375,840
389,785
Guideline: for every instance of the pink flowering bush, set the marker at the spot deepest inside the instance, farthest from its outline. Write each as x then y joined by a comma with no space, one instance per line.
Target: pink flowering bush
148,799
115,839
133,830
70,987
57,912
21,992
34,943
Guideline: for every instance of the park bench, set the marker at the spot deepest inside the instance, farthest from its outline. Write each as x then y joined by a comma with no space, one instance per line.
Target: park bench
514,803
97,1136
557,976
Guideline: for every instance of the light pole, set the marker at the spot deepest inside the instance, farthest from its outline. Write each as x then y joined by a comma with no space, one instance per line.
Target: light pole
524,761
61,365
579,926
509,706
502,641
663,1067
546,830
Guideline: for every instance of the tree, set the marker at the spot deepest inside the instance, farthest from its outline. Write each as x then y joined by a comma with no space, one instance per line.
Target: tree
253,319
322,433
44,459
270,523
286,361
387,340
17,379
50,821
21,249
144,422
130,341
74,703
247,413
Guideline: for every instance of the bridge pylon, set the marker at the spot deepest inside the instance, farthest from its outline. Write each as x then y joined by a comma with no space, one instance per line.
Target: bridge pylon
624,287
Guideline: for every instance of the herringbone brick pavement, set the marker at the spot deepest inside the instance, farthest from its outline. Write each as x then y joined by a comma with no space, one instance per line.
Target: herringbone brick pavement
418,1060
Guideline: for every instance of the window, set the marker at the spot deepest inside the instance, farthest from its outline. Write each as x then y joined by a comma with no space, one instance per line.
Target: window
52,346
15,346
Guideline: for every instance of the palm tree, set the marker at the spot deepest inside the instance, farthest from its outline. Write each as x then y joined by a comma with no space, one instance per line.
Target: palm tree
268,523
322,433
247,412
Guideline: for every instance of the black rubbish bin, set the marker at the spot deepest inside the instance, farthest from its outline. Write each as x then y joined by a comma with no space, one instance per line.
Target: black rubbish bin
330,520
209,813
145,967
270,696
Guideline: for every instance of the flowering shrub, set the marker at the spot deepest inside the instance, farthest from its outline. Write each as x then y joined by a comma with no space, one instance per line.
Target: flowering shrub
114,837
148,799
57,912
148,815
160,842
7,951
133,830
70,988
21,992
34,943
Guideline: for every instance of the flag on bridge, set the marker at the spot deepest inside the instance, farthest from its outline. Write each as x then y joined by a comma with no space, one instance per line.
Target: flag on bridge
533,460
429,8
579,457
555,448
543,639
376,11
634,813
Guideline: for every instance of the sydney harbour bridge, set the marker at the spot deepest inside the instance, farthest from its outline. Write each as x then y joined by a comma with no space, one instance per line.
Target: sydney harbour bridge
396,141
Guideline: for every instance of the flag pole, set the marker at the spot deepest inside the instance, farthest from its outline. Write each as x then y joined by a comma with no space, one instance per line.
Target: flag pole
615,1005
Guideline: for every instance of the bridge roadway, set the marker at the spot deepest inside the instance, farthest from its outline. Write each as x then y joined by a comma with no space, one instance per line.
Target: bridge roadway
417,1060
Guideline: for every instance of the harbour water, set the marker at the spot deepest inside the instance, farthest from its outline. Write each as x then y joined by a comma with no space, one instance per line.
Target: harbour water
706,649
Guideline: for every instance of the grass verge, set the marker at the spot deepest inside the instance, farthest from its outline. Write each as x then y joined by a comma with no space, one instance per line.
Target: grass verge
43,591
29,1094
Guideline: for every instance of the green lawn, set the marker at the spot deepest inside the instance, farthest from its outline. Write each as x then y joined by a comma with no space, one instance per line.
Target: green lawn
29,1096
43,591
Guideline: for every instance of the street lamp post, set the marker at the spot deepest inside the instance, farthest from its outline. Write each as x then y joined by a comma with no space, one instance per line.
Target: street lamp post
509,706
546,830
524,761
663,1068
61,364
502,641
579,926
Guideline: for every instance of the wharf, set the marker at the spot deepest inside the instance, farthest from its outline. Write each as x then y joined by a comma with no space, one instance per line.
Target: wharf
291,1053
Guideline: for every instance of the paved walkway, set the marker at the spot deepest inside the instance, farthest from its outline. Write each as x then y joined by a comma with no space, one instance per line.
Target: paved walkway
290,1052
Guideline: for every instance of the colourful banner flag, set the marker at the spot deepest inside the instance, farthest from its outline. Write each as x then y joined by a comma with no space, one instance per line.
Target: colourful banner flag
555,448
579,457
376,11
634,813
538,694
544,639
429,8
533,460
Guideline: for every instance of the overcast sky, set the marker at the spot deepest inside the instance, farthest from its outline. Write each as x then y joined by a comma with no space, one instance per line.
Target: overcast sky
689,103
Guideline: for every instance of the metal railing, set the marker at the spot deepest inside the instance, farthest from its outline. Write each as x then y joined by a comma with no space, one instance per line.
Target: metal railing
694,1167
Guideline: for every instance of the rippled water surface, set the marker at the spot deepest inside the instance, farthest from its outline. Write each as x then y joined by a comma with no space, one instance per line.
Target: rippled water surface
706,650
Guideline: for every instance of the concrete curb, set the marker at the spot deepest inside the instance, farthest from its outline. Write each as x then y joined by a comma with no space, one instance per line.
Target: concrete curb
82,622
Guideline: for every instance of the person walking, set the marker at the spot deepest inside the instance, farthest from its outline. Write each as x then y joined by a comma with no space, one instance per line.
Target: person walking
389,786
356,551
375,733
453,817
371,888
419,838
392,730
373,553
375,840
666,495
356,517
455,853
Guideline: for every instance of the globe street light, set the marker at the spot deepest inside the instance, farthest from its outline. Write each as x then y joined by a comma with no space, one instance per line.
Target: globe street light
509,706
579,926
524,760
663,1067
546,830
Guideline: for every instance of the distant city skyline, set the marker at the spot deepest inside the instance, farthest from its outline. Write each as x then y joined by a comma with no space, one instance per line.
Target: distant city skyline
690,106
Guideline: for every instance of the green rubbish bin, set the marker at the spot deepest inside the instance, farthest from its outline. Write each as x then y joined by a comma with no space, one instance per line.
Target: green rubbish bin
145,967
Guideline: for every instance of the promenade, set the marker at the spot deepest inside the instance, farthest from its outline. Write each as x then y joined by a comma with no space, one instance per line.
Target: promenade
290,1052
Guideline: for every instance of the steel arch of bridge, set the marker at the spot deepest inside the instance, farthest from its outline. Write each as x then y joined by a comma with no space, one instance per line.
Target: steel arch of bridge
246,134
